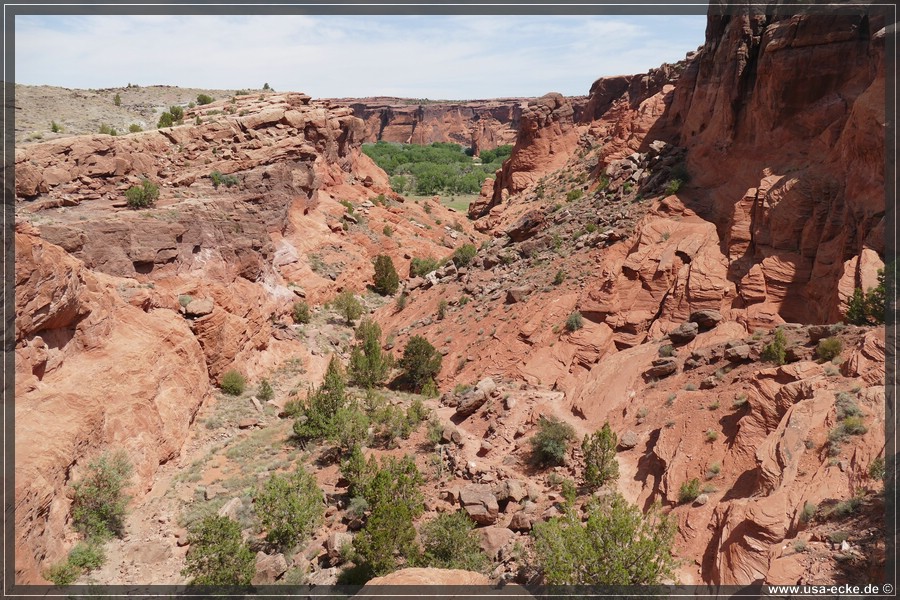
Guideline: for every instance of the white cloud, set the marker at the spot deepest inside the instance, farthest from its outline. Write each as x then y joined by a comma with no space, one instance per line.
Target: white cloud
331,55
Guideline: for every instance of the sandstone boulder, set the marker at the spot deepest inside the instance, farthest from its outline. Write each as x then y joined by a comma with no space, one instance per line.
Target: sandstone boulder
706,319
684,333
662,367
480,504
198,308
269,568
628,440
493,539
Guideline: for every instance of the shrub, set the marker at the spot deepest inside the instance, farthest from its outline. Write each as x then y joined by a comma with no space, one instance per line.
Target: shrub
868,308
419,267
575,321
442,309
853,426
265,391
177,113
574,195
877,468
134,128
87,556
689,491
348,306
712,435
233,383
386,279
828,348
290,508
165,120
218,555
836,537
62,574
98,507
559,277
667,350
775,351
673,186
463,255
551,442
204,99
421,362
809,511
713,471
117,100
599,452
450,542
55,127
142,196
107,130
401,301
388,231
617,545
301,312
369,365
845,406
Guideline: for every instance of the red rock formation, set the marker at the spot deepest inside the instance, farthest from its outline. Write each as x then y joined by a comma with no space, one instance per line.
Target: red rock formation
784,120
92,371
478,124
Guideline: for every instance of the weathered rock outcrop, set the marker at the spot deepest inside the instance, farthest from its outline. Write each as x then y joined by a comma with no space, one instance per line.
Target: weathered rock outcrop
92,372
784,120
477,124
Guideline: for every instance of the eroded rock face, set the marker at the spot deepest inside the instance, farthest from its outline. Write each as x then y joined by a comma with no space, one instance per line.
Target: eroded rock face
805,216
72,321
481,125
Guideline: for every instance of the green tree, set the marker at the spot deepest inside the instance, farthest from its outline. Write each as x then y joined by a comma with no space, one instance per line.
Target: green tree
393,493
875,300
348,306
386,279
856,308
165,120
204,99
265,391
177,113
217,555
117,100
369,365
617,545
317,421
421,362
599,452
551,442
450,542
290,508
419,267
98,507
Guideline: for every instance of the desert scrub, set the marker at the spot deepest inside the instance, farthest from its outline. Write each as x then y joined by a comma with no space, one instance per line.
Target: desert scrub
463,255
574,322
233,383
711,435
386,279
775,351
98,506
551,443
301,313
689,491
265,391
828,348
142,196
217,554
290,507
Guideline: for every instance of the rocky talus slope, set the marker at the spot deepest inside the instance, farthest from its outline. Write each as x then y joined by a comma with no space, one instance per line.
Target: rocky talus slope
125,317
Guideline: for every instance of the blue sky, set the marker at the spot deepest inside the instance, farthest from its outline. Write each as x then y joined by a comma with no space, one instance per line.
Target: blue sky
446,57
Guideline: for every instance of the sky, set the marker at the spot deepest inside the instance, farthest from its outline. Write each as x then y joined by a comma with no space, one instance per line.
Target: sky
328,56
